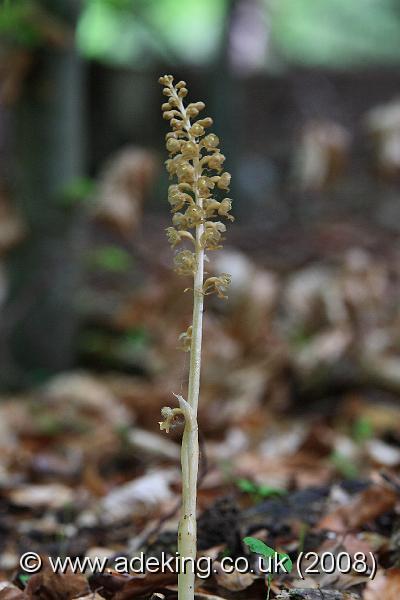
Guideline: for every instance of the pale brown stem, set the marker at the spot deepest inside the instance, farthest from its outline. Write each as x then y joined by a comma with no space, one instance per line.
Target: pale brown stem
187,531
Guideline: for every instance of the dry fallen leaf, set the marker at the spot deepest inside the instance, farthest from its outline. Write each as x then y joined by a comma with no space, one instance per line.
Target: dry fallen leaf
87,394
365,507
382,453
385,586
48,585
146,585
8,591
149,490
124,184
316,594
235,581
52,495
207,597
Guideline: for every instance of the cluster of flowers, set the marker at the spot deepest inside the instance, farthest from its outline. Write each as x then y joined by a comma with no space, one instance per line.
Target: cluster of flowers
197,163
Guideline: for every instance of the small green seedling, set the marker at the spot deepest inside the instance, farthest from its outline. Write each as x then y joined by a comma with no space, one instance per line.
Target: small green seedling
363,430
304,527
258,491
344,465
77,190
110,258
258,547
24,579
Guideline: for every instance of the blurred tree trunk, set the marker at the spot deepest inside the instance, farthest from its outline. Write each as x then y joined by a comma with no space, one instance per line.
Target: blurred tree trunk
49,141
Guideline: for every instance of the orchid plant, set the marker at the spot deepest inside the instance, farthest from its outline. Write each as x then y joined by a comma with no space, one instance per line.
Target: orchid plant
197,205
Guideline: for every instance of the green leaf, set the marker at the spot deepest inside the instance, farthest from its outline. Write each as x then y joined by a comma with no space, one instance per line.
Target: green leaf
137,338
111,258
263,491
287,561
76,190
259,547
344,465
18,24
362,429
267,490
245,485
24,578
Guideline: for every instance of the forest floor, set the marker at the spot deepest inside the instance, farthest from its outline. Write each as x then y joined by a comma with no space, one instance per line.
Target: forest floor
299,430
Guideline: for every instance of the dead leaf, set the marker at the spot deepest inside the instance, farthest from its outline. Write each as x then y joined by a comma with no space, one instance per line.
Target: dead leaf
385,586
87,394
108,584
149,490
47,585
207,597
382,453
139,586
316,594
365,507
153,444
8,591
383,125
235,581
321,154
350,544
124,183
52,495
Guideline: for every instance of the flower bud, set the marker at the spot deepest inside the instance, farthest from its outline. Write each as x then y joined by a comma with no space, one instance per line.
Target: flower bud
192,112
194,215
180,221
217,284
185,172
185,263
212,235
197,130
224,207
215,161
173,145
166,80
173,236
177,198
176,123
185,339
199,105
224,181
211,207
189,149
203,185
211,141
207,122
